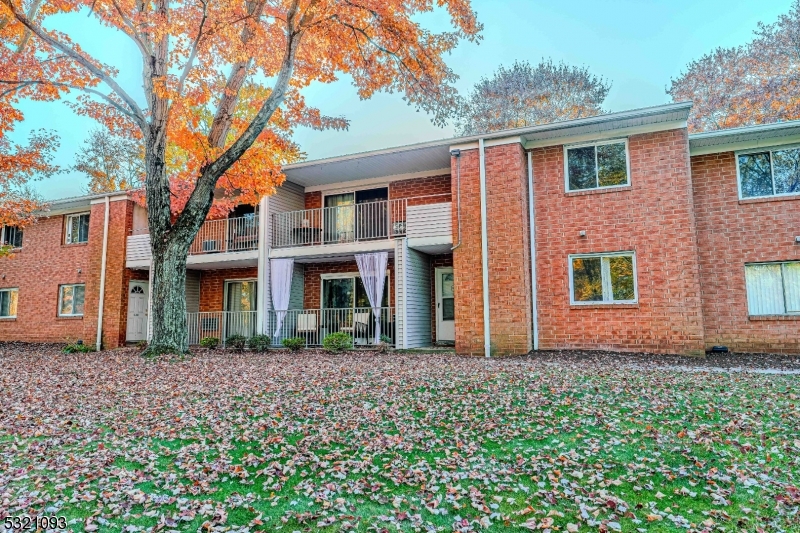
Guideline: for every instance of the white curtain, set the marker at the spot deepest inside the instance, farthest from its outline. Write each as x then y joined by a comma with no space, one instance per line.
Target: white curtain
281,282
372,268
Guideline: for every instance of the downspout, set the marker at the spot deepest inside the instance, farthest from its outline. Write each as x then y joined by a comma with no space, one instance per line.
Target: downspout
457,155
99,340
532,218
487,341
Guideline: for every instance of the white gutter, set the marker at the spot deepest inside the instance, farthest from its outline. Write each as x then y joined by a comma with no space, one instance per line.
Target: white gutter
99,339
532,218
487,340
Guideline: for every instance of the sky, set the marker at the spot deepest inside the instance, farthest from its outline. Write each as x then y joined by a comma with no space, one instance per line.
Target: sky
637,45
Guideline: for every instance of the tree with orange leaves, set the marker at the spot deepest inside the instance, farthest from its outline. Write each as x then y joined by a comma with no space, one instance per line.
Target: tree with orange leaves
222,86
756,83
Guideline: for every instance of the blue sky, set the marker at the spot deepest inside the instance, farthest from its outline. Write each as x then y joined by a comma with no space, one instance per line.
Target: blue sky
638,45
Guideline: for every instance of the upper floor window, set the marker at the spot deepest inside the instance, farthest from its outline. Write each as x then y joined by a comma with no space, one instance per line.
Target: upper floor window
77,228
597,165
11,236
603,278
8,303
769,173
773,288
70,300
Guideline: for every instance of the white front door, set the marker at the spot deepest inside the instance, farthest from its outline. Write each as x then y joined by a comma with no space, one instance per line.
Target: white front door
137,311
445,305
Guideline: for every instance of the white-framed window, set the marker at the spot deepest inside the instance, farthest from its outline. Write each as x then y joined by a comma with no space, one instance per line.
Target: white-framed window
8,303
772,172
70,300
597,165
346,291
77,229
603,278
11,236
240,295
773,288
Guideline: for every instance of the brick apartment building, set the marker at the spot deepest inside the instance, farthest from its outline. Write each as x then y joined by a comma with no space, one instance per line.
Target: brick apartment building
620,232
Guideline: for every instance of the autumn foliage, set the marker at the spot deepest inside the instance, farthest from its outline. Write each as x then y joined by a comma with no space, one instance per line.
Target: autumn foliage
756,83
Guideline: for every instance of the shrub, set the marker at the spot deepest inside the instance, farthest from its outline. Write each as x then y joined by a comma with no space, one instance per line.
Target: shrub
260,343
337,342
294,343
209,342
386,339
77,347
237,342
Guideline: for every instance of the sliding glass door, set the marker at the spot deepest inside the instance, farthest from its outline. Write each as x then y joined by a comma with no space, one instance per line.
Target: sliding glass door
340,218
240,302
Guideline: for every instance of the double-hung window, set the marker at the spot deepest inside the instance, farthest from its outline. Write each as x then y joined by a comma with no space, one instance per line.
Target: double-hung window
8,303
603,278
773,288
11,236
70,300
597,166
769,173
77,230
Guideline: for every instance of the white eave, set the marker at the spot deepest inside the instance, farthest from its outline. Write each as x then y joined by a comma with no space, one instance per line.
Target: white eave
745,138
435,155
77,204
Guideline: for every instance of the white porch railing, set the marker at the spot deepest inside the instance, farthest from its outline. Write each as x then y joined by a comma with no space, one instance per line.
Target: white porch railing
221,325
347,223
314,324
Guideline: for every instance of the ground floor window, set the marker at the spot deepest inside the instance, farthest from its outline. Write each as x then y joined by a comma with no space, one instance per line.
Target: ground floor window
8,303
773,288
240,295
346,291
603,278
70,300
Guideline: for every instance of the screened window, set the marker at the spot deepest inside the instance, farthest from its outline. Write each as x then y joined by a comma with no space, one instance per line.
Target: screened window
70,300
11,236
8,303
596,166
773,288
603,278
77,228
769,173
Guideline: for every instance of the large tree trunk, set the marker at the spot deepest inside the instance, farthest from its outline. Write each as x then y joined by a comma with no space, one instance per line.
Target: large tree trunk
169,300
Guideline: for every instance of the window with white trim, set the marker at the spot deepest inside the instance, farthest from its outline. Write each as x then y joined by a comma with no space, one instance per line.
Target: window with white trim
769,172
77,230
597,166
603,278
70,300
773,288
8,303
11,236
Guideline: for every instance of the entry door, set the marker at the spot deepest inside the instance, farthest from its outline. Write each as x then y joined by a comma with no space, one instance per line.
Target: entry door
445,305
137,311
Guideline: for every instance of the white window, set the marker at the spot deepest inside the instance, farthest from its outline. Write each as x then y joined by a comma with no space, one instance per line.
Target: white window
773,288
603,278
11,236
769,172
77,228
70,300
346,291
596,166
8,303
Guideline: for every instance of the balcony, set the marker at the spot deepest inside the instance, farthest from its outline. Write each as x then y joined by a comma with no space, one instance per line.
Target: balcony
223,240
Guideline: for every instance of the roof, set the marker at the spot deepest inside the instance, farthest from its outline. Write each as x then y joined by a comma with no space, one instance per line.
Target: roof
745,138
76,203
435,155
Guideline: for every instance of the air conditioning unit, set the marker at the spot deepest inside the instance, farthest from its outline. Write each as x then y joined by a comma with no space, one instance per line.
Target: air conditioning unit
211,246
209,324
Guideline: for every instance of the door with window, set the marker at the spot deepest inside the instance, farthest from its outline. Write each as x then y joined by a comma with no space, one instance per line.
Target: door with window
445,306
137,311
240,307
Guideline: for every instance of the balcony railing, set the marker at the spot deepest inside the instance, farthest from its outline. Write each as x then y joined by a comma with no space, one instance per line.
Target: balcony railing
312,325
347,223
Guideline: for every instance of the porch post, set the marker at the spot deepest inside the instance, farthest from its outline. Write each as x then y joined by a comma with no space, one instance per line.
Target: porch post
262,296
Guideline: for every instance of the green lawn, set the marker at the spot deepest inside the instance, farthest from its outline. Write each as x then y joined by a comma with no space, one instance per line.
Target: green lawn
316,442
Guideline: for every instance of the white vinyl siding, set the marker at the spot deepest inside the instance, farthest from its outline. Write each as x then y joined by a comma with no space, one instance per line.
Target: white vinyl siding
773,288
8,303
432,220
416,295
77,230
70,300
192,291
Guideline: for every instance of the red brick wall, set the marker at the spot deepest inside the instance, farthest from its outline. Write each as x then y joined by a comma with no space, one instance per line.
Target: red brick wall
37,270
509,253
437,261
422,191
653,217
313,280
313,200
212,286
731,233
